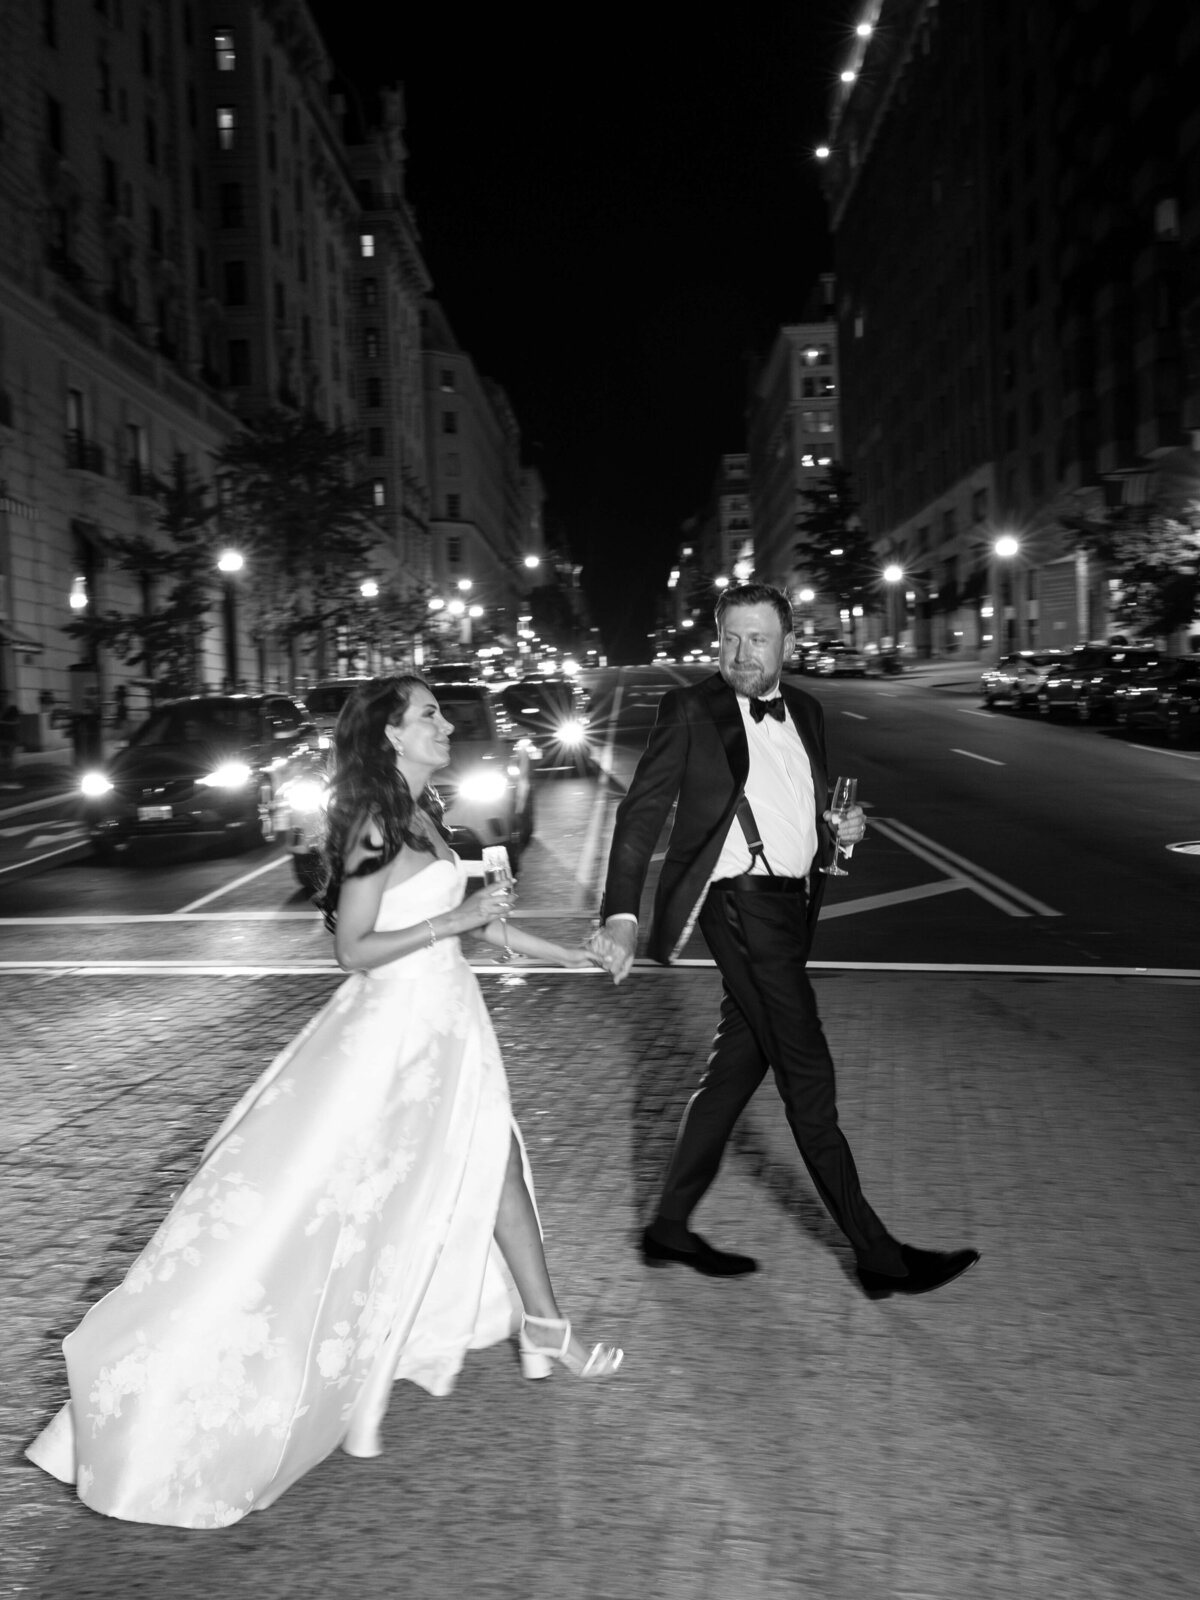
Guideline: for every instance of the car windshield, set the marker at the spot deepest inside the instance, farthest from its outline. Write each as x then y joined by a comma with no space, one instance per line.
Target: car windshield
469,717
327,699
219,722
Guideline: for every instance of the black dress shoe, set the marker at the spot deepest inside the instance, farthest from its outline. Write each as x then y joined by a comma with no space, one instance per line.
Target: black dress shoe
696,1254
927,1269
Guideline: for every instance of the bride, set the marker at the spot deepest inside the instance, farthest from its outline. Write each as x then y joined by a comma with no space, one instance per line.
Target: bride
364,1213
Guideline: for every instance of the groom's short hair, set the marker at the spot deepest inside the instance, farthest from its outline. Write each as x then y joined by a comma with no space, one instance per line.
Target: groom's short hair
756,594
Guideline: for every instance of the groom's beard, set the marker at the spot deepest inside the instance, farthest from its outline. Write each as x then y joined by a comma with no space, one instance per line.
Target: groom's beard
753,682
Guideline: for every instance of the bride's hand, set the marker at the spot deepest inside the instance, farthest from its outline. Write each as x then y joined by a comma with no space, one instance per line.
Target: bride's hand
486,904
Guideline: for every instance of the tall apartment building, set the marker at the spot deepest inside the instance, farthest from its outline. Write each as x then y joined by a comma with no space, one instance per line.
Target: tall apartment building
484,509
793,434
190,239
391,284
1014,202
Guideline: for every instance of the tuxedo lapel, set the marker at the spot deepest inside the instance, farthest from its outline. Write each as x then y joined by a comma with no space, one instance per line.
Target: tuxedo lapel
809,737
723,708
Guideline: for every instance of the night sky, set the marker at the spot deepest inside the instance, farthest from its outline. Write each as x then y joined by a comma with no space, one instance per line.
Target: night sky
618,208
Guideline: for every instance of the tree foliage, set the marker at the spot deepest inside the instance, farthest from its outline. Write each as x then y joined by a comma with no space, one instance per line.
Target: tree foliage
1153,556
174,568
288,487
834,548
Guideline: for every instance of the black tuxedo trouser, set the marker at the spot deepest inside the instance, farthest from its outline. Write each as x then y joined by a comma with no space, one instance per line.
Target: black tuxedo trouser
769,1018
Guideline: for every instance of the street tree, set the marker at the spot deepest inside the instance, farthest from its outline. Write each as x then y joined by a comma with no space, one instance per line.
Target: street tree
288,487
1152,551
173,570
833,547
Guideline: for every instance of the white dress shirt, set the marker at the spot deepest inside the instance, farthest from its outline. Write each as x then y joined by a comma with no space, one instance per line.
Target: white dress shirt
779,787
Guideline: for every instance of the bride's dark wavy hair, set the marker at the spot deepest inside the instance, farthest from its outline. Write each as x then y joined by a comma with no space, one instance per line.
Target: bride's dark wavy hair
365,783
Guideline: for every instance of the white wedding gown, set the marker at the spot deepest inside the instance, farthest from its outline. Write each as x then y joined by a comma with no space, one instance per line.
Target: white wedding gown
336,1237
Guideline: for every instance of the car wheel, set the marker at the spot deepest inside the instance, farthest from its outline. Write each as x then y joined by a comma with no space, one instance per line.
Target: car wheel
1174,728
1045,709
989,702
307,868
1084,709
266,813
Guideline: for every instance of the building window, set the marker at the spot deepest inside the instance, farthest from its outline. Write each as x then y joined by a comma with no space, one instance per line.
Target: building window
201,267
276,230
378,492
226,127
147,54
235,283
454,550
367,244
50,23
454,506
111,185
371,343
239,363
272,150
280,304
370,291
979,505
156,230
105,86
151,141
306,335
449,421
452,465
448,380
374,441
374,391
225,52
233,213
197,190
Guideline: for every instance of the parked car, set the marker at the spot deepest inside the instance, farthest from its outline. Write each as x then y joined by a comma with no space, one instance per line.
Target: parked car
452,672
837,658
1165,699
1084,682
207,764
1015,679
552,713
324,702
805,656
487,790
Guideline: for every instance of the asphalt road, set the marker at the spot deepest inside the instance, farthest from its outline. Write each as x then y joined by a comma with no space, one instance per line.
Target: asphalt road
1028,1432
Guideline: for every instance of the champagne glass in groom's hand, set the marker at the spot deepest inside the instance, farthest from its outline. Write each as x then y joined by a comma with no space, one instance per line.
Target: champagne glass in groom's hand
843,796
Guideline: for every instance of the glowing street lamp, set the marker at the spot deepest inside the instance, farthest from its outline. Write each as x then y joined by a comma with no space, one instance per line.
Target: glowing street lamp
230,562
369,589
78,597
893,576
1004,549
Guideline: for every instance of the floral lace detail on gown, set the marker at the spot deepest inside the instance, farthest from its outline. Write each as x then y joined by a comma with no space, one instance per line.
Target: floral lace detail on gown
337,1236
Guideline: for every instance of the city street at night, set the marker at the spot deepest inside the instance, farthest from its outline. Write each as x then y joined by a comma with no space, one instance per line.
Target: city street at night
1013,1016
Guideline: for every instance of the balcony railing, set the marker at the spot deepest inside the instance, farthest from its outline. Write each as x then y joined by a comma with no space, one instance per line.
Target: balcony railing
83,454
140,480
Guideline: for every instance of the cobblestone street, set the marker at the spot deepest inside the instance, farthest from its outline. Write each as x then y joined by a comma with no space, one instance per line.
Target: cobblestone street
1029,1431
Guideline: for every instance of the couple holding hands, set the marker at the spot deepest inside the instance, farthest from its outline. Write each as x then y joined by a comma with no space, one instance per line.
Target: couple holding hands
366,1211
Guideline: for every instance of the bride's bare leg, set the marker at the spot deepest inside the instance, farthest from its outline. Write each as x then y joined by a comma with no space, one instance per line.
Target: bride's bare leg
520,1238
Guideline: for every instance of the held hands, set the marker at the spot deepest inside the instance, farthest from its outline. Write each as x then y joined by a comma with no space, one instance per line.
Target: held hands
849,825
613,947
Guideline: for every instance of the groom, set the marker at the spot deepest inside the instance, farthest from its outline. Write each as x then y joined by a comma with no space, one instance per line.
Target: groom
750,874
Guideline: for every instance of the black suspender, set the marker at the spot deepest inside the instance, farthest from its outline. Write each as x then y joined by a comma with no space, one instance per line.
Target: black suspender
750,828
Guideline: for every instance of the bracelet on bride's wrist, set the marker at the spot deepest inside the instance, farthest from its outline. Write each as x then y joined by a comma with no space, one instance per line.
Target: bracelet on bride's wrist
432,934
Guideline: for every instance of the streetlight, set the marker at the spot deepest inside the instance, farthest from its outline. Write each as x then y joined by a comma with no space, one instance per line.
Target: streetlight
893,576
1004,549
230,562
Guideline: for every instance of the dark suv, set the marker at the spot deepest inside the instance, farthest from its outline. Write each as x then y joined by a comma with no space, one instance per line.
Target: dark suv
1085,681
209,764
1166,701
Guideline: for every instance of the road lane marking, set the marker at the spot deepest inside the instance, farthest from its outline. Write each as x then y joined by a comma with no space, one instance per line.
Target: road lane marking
954,750
682,968
34,861
1159,750
984,883
969,711
857,717
228,888
897,897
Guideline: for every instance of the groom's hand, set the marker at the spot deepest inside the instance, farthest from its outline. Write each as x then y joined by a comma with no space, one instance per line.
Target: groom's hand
615,944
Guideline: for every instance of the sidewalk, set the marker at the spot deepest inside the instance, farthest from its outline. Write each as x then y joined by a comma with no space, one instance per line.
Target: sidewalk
37,777
1027,1434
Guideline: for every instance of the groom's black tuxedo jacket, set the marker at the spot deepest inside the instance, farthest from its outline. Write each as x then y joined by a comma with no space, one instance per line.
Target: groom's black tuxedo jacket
697,754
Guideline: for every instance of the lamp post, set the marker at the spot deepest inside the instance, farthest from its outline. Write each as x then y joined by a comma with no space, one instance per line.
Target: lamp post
228,563
893,576
1004,549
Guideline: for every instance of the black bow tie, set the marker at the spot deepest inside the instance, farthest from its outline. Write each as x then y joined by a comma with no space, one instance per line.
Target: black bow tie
768,708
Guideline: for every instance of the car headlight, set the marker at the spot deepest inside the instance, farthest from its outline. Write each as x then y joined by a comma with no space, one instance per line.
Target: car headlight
324,742
483,787
94,784
572,732
306,794
229,775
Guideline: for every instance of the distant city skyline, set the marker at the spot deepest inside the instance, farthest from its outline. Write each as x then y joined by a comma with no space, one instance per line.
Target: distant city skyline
616,242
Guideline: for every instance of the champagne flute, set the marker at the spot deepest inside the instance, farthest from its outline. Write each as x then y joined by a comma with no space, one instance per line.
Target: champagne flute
844,795
497,869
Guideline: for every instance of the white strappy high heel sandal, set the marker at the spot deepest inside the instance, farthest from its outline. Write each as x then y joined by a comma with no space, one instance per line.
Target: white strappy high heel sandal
537,1359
